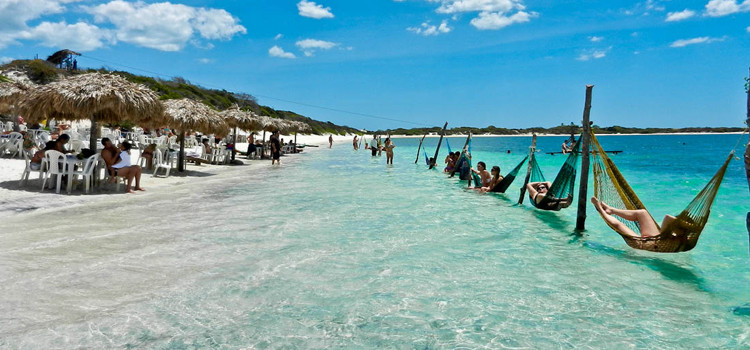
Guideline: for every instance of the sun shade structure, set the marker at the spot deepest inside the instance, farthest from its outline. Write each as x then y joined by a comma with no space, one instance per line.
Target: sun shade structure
102,98
186,114
238,118
9,95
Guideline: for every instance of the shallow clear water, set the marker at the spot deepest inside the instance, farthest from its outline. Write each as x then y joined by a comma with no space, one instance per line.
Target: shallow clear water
335,249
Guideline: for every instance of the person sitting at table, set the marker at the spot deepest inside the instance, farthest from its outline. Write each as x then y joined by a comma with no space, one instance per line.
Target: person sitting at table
123,168
148,153
109,155
251,148
61,142
36,160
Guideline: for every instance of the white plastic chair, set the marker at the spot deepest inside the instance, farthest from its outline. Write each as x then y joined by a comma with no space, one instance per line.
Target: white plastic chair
29,170
87,173
162,160
55,163
14,145
76,146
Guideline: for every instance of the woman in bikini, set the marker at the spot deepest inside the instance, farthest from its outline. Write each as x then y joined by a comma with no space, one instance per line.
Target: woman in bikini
641,216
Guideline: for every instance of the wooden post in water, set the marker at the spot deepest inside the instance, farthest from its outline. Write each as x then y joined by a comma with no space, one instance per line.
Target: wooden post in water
463,152
419,148
442,133
585,146
747,151
528,171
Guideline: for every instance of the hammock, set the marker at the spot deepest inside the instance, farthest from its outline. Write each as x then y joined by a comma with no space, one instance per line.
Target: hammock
426,158
560,195
681,234
503,185
449,146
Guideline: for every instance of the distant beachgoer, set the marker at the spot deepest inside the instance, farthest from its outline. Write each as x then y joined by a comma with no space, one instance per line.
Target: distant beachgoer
330,141
123,168
641,216
374,145
275,148
251,148
389,151
355,143
485,175
380,146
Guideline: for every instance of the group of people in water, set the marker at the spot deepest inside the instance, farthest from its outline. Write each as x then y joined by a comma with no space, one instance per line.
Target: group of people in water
377,146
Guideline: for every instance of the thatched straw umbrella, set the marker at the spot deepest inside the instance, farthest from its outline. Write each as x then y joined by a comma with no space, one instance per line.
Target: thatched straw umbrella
237,118
298,127
102,98
186,114
9,94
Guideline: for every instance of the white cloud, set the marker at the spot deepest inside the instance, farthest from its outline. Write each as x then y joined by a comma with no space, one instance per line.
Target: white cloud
309,46
80,36
645,8
748,29
718,8
15,14
496,20
680,15
313,10
276,51
4,60
492,14
593,54
595,39
278,36
206,60
428,29
164,26
693,41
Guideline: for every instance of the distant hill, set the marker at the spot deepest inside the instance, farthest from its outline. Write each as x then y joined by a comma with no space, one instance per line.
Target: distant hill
43,72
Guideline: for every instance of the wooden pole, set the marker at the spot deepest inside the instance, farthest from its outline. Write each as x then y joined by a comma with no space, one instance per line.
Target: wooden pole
747,151
234,146
442,134
463,151
528,171
181,158
585,145
419,148
94,135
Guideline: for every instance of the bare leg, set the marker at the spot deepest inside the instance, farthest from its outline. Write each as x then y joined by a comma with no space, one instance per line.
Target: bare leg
138,179
641,216
611,220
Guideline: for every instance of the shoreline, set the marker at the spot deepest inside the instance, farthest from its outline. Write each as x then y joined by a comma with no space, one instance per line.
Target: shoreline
565,135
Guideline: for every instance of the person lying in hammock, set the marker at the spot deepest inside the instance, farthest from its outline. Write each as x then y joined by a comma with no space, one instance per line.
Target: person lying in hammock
538,191
641,216
496,178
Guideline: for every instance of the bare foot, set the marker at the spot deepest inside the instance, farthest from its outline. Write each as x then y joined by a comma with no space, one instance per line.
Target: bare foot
140,189
606,207
597,204
129,191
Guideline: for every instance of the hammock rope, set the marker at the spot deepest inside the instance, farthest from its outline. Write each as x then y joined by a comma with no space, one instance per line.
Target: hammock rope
503,185
560,195
679,235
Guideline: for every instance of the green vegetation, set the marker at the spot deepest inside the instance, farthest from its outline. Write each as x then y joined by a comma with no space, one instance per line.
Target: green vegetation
39,71
4,79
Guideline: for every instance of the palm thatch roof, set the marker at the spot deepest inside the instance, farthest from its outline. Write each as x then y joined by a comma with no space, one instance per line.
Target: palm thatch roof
238,118
186,114
100,97
9,94
298,126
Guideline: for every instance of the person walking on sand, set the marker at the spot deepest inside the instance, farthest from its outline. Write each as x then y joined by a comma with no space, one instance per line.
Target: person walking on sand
330,141
389,151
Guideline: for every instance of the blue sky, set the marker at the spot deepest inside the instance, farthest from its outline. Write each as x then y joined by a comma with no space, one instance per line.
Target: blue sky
508,63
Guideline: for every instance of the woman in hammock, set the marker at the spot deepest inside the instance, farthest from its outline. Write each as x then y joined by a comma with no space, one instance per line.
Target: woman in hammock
641,216
496,178
538,191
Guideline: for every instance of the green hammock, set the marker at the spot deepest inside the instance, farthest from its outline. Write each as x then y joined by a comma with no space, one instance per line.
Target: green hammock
560,195
503,185
681,234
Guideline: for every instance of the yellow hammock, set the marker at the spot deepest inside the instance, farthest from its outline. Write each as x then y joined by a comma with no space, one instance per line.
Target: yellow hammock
681,234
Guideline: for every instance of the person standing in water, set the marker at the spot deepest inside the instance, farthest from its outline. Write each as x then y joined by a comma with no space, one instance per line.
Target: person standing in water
355,143
330,141
275,148
374,145
389,151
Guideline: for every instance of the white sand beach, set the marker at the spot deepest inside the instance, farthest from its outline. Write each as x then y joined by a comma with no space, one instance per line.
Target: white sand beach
16,199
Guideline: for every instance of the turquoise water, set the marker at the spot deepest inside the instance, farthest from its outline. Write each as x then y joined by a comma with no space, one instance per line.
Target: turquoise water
337,250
